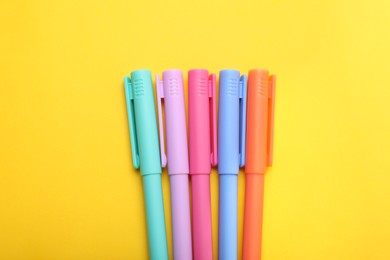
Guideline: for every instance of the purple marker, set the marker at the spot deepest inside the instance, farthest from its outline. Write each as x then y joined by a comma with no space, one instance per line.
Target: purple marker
171,90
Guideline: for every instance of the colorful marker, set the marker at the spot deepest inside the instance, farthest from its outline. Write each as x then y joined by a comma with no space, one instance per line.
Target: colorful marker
146,155
203,155
231,156
259,150
171,90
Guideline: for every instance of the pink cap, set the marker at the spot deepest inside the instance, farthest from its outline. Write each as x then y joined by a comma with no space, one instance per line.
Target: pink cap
202,121
171,90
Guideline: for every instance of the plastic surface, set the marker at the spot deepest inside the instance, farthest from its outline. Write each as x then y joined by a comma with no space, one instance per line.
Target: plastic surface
201,217
160,96
253,217
202,123
155,219
143,125
213,119
181,219
227,230
243,104
131,121
231,131
146,155
260,120
271,119
231,147
171,91
260,113
203,154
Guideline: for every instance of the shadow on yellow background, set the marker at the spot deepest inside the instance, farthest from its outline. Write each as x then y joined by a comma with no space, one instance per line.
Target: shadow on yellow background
67,187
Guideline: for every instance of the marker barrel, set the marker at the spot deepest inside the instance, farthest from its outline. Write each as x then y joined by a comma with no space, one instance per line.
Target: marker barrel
227,243
253,216
201,221
181,220
155,218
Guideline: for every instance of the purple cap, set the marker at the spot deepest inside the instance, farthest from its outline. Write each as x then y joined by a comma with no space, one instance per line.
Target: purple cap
172,91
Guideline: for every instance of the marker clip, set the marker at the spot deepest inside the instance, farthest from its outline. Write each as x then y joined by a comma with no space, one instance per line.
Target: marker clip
271,114
160,96
213,120
242,116
131,119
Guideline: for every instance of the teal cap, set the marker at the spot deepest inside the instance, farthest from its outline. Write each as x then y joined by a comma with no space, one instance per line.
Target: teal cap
142,122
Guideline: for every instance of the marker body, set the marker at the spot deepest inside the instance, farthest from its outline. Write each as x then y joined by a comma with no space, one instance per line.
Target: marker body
228,157
171,90
227,229
146,155
253,216
155,219
202,155
258,157
201,217
181,219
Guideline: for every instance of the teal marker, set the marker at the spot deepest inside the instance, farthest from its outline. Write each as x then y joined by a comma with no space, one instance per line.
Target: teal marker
146,155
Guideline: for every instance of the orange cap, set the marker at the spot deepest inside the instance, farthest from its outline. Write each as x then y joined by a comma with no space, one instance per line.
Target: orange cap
260,121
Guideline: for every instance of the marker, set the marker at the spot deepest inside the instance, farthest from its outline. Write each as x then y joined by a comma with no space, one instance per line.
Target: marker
203,155
259,150
231,156
146,155
170,89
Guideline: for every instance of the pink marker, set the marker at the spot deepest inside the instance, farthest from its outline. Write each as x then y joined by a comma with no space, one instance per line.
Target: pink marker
203,155
171,90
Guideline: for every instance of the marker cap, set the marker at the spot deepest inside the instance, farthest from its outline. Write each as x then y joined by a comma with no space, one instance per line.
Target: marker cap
231,121
170,90
202,121
142,122
260,121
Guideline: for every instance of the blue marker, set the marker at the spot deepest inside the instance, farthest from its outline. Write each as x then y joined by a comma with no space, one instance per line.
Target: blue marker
231,156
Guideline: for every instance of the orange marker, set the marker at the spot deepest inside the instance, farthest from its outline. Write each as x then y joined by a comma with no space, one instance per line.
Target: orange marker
259,149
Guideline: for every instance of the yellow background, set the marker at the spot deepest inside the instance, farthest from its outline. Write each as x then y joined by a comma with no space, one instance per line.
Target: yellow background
67,186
